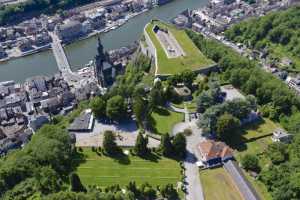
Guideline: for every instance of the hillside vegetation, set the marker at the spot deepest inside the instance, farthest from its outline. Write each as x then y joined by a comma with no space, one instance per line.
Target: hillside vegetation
12,12
278,32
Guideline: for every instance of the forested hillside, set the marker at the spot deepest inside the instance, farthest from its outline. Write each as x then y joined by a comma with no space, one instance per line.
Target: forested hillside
277,32
13,12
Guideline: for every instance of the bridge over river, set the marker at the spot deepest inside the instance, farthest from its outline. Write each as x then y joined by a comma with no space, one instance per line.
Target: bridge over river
62,61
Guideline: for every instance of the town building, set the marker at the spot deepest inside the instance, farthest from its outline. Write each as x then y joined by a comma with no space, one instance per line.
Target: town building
83,123
69,31
36,122
42,39
2,52
97,20
279,135
25,44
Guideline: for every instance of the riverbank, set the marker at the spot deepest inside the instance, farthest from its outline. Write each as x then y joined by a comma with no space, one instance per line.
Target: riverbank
112,26
27,53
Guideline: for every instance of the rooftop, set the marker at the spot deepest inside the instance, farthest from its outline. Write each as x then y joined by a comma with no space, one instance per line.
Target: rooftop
83,123
211,149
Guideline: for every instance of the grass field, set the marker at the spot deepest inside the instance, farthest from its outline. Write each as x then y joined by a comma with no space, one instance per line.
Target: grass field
104,171
218,185
163,120
193,59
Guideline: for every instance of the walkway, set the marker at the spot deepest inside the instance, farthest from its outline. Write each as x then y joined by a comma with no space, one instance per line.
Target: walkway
194,187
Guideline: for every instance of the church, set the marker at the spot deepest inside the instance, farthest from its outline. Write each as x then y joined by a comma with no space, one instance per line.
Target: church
105,70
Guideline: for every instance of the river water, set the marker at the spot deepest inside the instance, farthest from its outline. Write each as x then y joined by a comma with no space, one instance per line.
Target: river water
81,52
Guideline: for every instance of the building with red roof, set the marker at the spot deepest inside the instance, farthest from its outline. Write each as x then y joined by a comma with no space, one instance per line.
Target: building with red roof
213,153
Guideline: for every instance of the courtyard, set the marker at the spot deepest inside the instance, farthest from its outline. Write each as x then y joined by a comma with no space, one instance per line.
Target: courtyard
126,134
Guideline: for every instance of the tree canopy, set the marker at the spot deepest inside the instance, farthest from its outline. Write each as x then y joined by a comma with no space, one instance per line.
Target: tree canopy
109,144
116,108
141,143
227,124
279,28
98,106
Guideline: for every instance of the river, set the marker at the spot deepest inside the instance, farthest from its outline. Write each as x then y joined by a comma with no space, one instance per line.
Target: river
81,52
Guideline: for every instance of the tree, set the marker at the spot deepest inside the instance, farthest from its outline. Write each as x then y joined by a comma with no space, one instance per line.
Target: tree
24,190
166,145
168,191
157,95
141,143
76,185
204,101
109,143
188,77
179,145
133,188
277,152
250,162
98,106
226,125
48,180
141,110
116,108
147,192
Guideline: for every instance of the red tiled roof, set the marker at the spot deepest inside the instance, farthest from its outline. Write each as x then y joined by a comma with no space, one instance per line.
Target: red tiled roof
211,149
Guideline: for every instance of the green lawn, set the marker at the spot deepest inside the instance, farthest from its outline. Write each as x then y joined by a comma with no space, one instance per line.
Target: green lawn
193,59
163,120
254,139
105,171
218,185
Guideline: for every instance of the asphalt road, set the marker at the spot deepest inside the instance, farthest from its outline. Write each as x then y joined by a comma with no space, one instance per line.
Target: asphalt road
194,187
193,184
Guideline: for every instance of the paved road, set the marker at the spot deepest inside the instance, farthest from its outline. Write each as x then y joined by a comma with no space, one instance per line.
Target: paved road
193,184
194,187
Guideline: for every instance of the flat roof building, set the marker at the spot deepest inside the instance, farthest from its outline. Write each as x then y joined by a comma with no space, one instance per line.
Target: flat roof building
83,123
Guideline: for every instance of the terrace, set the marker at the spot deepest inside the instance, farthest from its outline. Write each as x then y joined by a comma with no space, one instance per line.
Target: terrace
174,50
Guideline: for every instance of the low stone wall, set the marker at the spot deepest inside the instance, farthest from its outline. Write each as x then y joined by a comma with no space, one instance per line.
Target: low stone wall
151,49
206,70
